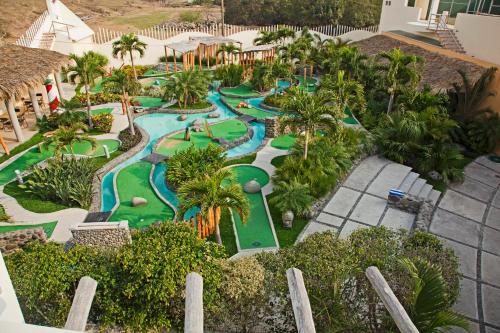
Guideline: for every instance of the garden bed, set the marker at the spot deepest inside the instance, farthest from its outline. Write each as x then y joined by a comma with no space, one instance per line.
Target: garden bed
204,107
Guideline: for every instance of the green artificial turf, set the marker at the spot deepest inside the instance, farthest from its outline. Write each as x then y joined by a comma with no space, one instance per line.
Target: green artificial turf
200,105
278,161
47,227
98,87
226,233
102,111
229,130
310,87
133,181
243,90
149,102
247,159
284,142
257,232
251,111
286,237
349,119
34,140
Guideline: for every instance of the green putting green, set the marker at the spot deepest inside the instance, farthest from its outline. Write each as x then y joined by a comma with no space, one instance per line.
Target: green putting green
349,119
243,90
310,83
251,111
34,156
133,181
284,142
229,130
98,87
257,232
102,111
149,102
47,227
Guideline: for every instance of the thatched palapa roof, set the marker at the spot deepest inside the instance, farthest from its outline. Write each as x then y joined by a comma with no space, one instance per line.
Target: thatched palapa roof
439,70
23,67
259,48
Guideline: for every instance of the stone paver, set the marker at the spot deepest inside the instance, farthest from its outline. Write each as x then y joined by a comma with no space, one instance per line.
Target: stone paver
397,219
314,227
390,178
365,172
493,219
342,202
491,240
490,266
369,210
482,174
455,227
350,227
474,189
492,330
496,200
466,303
330,219
491,301
467,256
463,206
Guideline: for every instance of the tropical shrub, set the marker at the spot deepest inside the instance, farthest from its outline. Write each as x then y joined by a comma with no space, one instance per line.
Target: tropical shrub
276,101
483,133
65,180
292,196
56,120
193,162
103,122
140,69
229,75
128,140
100,98
187,87
261,79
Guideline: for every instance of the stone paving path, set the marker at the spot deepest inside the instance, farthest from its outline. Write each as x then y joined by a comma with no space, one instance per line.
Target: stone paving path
263,161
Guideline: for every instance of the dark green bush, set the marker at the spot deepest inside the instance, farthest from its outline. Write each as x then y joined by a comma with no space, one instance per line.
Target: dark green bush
229,75
56,120
275,100
129,141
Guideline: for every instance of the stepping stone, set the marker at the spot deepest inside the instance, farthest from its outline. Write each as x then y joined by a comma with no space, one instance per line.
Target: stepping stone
397,219
342,202
364,173
97,217
408,182
456,227
369,210
417,186
434,196
389,178
350,227
463,206
154,158
425,191
466,303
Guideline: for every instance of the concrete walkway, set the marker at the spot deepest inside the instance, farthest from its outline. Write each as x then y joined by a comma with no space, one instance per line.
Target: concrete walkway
263,161
468,220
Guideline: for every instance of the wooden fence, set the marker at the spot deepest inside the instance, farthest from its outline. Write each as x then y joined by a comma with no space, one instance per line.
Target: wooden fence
27,38
162,32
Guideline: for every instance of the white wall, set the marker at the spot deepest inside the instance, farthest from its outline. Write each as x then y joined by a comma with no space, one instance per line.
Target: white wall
479,35
9,306
396,16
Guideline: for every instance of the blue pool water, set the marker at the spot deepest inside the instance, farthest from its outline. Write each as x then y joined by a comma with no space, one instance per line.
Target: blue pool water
157,125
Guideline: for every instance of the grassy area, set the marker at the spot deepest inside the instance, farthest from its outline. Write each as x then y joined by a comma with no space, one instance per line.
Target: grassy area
31,202
278,161
4,217
286,237
47,227
227,233
200,105
284,142
243,90
149,102
102,111
247,159
142,21
34,140
251,111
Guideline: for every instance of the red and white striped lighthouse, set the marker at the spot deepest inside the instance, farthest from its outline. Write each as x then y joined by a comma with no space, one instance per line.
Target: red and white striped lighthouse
52,95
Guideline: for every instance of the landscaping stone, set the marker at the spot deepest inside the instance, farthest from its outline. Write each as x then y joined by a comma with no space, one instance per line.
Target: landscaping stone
197,122
434,175
369,210
252,186
213,115
462,205
342,202
138,201
13,241
182,117
455,227
272,127
102,234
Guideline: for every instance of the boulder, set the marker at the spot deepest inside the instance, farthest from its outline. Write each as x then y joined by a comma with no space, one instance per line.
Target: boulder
434,175
182,117
197,122
252,186
138,201
213,115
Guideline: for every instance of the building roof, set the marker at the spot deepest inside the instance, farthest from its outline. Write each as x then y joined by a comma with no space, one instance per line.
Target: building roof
259,48
439,71
185,46
211,40
23,67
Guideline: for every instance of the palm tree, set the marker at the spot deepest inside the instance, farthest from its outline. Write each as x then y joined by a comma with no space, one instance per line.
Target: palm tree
65,136
266,37
429,307
87,68
187,87
213,193
127,44
353,62
120,82
399,70
347,93
280,70
283,33
304,112
227,49
291,198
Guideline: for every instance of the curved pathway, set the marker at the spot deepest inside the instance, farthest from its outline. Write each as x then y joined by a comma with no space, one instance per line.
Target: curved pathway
263,161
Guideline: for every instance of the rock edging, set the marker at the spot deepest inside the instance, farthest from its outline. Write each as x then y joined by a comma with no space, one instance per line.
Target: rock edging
239,113
411,204
13,241
211,108
257,95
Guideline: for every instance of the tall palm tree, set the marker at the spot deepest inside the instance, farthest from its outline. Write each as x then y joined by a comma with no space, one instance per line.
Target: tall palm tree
346,93
127,44
213,193
266,37
187,87
429,307
120,82
400,69
304,112
354,62
87,68
280,70
65,136
283,33
228,49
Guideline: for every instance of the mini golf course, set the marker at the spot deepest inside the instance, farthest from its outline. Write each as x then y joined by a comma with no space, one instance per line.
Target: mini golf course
101,111
250,111
34,156
284,142
243,90
149,102
133,181
257,232
229,130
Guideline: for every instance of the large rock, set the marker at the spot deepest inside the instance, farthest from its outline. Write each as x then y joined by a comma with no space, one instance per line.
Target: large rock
213,115
252,186
197,122
138,201
182,117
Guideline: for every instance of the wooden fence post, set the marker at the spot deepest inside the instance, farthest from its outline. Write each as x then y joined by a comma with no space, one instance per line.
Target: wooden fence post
390,301
193,320
300,301
82,302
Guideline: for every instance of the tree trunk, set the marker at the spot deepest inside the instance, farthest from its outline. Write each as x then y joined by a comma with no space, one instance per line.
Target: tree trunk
124,112
391,102
129,115
133,67
311,73
305,74
217,234
89,111
306,145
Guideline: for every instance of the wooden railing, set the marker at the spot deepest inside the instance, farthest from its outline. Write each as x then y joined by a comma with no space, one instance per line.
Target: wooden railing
27,38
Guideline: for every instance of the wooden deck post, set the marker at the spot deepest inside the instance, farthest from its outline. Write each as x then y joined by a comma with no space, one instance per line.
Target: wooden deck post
300,301
80,308
34,102
175,62
390,301
166,59
193,313
13,119
57,78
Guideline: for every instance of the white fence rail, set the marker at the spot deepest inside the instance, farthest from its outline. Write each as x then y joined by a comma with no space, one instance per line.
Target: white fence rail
164,32
27,38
